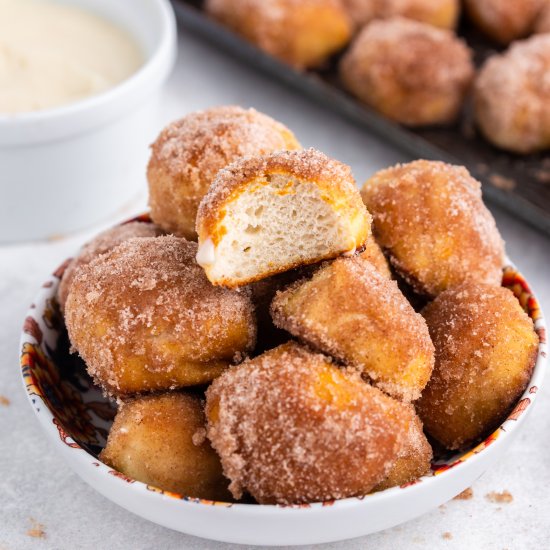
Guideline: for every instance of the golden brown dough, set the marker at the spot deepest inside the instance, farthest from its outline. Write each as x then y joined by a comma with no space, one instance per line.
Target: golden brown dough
374,255
504,20
144,317
542,24
410,72
303,33
105,241
485,350
161,440
512,97
290,427
439,13
414,458
188,154
430,219
350,311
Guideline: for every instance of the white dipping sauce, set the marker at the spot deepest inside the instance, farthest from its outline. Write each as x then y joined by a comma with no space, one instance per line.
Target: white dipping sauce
52,54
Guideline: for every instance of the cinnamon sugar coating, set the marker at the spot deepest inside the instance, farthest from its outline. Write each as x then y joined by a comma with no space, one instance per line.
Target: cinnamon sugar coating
303,33
290,427
439,13
414,458
512,96
374,255
353,313
430,219
144,317
504,20
542,24
188,154
105,241
485,351
409,71
161,440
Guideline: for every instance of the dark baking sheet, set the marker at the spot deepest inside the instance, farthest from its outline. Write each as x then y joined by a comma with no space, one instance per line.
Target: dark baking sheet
520,184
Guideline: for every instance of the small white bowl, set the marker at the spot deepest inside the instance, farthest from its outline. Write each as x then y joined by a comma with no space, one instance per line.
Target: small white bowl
65,168
76,417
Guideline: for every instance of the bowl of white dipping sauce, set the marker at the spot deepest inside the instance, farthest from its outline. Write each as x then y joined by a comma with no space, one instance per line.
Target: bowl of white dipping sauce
79,91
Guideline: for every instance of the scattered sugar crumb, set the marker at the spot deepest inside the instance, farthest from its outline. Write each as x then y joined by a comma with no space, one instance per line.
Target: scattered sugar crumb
37,530
467,494
447,535
504,497
4,401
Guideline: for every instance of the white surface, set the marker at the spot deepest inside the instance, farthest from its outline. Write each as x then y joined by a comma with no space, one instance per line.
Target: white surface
35,483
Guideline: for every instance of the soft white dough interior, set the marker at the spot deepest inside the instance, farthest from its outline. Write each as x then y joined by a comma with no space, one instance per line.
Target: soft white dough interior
277,224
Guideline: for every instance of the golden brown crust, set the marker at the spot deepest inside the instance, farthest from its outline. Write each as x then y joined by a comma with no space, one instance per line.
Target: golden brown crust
504,20
350,311
161,440
303,33
430,219
542,24
188,154
485,350
439,13
374,255
290,427
144,317
332,177
411,72
512,96
105,241
414,458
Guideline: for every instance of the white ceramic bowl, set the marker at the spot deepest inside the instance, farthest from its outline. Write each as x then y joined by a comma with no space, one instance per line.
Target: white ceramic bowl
69,167
76,417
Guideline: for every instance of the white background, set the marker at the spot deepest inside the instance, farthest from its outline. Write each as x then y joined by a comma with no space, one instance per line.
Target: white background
35,483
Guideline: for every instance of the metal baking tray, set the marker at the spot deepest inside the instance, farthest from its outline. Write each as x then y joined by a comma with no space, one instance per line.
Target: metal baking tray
520,184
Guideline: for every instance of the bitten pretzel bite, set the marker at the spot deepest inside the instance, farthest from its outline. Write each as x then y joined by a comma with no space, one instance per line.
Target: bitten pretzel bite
439,13
99,245
504,20
512,97
303,33
161,440
353,313
144,317
430,219
485,350
414,458
265,215
411,72
291,427
188,154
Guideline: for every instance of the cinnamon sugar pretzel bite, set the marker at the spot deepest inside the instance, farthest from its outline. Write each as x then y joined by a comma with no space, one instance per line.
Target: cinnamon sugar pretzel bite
485,351
144,317
161,440
430,219
512,97
409,71
504,20
291,427
303,33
